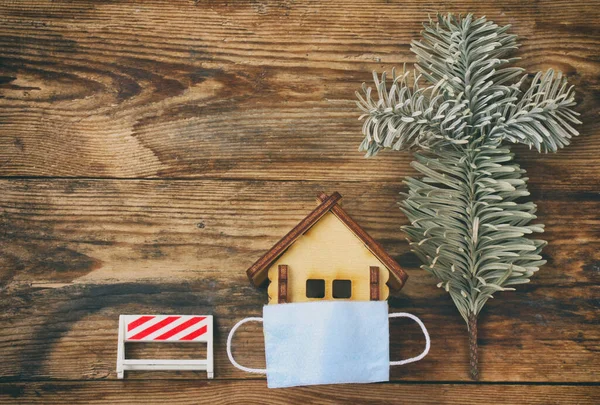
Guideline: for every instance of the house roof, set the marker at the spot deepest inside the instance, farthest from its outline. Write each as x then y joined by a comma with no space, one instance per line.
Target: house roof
257,273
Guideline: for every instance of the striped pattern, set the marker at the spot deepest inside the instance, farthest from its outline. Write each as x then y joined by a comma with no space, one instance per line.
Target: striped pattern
166,328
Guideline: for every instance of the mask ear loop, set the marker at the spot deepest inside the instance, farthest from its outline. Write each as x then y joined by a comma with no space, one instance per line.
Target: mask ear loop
427,339
230,338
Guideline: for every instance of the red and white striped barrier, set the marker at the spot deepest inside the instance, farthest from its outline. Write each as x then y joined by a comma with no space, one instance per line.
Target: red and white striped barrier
165,328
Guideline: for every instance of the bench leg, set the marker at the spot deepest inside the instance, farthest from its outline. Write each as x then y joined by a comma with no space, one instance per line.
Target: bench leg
121,347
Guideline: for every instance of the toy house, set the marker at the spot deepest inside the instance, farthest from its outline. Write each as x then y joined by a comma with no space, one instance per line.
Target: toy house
327,256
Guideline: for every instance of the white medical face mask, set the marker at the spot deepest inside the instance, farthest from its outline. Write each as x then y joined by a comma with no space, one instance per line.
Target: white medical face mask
326,342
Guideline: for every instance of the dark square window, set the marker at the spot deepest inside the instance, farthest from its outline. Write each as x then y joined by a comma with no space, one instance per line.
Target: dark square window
342,288
315,288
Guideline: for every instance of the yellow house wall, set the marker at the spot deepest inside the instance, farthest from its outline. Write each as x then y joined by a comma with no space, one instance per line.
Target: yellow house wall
329,251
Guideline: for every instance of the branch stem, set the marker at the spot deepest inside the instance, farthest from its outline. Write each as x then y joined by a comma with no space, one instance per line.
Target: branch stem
473,355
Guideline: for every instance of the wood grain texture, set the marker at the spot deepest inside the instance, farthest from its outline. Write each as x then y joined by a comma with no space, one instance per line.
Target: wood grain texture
77,253
256,392
151,151
252,90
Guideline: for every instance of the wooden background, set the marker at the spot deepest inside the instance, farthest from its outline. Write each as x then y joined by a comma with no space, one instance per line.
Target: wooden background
151,151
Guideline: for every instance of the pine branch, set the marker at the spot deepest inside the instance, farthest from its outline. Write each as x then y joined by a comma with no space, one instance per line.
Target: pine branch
402,118
409,116
468,226
469,57
542,118
469,221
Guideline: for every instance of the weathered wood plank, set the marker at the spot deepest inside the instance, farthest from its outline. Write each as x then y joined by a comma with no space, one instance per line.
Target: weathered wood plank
256,392
77,253
255,90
